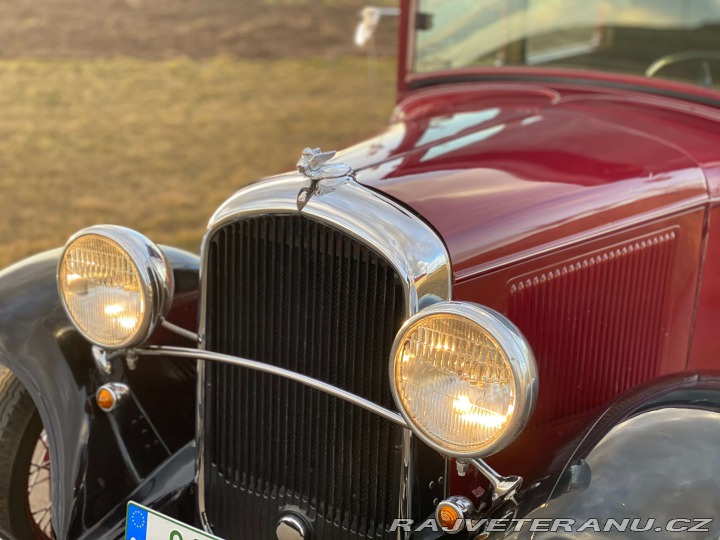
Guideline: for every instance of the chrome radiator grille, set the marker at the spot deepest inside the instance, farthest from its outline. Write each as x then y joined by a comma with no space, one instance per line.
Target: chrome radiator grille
292,292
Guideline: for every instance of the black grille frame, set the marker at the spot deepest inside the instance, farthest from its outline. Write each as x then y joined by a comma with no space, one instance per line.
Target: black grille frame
349,494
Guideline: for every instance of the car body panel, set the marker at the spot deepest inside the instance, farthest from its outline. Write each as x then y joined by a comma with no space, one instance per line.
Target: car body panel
525,181
531,169
590,350
704,351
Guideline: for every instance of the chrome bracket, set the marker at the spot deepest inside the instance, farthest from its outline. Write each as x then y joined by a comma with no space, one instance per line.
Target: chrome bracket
503,487
102,362
103,359
131,359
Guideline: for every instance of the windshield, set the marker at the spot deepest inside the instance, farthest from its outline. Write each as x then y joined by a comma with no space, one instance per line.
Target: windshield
674,39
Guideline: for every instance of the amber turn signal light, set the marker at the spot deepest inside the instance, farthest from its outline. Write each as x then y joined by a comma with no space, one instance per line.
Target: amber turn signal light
452,513
447,516
109,396
105,399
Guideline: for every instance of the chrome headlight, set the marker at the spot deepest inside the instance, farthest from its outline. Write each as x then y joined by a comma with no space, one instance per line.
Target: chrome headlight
115,285
464,379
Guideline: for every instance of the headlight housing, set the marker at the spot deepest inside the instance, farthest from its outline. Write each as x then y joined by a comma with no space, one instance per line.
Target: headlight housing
464,378
115,285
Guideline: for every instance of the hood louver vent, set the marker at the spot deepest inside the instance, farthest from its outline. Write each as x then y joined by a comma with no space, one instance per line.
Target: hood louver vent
601,344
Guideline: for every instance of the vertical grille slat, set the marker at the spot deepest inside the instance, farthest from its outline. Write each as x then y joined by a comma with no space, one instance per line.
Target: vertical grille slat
296,293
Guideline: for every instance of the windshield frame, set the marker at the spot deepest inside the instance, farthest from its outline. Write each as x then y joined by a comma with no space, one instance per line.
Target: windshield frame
409,80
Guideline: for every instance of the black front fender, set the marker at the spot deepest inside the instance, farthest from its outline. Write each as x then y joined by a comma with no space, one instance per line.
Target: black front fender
651,456
93,469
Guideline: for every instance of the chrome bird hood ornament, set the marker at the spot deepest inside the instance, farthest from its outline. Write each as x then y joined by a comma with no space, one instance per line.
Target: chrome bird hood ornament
313,164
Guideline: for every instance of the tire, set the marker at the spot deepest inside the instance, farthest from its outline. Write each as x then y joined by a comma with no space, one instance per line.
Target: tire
20,430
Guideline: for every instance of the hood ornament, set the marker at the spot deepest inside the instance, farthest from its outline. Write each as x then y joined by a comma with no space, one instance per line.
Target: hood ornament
313,164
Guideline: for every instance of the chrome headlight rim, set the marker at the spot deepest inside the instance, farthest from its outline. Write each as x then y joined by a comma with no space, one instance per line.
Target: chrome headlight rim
519,356
154,271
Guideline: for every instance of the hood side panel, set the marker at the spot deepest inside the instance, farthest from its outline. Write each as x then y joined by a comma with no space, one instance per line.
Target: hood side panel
503,175
602,317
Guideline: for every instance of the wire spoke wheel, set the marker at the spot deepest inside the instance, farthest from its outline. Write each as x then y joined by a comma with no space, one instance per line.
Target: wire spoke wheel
39,498
25,497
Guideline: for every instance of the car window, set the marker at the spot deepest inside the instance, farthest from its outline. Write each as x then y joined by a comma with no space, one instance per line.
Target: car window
676,39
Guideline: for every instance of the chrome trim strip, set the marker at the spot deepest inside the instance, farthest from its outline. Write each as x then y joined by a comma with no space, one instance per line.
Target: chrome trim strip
409,244
179,330
413,248
182,352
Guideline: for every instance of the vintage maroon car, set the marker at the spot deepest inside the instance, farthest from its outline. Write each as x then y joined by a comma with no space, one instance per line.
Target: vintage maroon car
521,274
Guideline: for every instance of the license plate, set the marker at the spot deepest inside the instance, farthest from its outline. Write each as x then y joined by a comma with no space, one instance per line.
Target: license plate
144,524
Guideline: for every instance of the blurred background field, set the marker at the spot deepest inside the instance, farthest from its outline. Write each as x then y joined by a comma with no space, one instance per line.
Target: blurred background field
150,113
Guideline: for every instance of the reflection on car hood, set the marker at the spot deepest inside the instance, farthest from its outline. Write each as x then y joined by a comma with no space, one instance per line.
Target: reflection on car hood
501,170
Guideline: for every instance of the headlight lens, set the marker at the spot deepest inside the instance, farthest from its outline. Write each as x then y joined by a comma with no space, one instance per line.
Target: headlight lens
115,285
464,378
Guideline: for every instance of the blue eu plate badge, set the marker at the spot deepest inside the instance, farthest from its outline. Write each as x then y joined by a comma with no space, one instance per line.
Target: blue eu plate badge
145,524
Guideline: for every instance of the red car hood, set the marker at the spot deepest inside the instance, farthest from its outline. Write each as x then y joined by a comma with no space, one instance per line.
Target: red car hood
505,171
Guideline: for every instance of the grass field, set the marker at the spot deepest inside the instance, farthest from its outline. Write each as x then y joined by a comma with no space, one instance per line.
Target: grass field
157,144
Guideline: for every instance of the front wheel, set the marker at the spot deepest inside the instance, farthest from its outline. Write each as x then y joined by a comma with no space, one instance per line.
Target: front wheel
25,502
